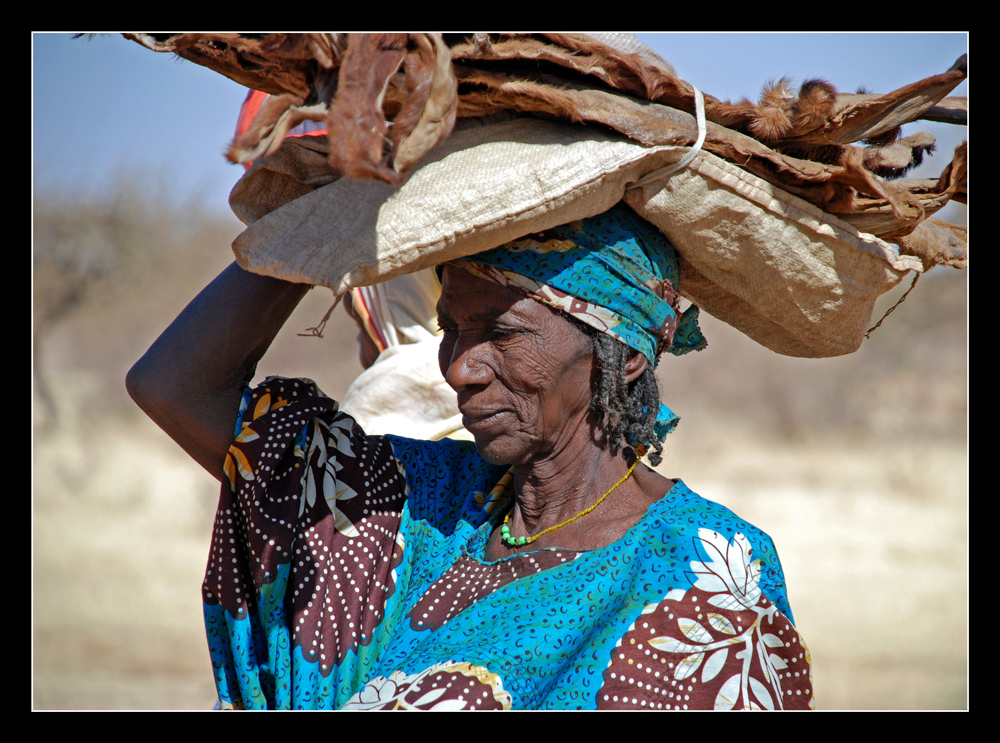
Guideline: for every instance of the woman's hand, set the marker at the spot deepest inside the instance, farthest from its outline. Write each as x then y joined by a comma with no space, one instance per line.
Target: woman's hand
191,379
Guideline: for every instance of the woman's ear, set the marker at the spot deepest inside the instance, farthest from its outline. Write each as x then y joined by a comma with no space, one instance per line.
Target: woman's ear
635,366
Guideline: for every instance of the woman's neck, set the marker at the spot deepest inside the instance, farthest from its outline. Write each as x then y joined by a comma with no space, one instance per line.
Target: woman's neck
544,501
549,492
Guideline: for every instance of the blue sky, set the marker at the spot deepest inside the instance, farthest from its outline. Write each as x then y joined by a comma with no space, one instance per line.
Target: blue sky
106,105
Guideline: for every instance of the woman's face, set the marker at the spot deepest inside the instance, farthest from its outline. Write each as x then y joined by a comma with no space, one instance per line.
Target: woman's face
522,372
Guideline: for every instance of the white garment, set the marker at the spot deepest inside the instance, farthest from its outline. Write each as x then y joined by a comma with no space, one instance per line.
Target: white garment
403,392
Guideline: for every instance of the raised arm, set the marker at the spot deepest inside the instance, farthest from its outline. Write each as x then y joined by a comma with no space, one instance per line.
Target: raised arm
191,379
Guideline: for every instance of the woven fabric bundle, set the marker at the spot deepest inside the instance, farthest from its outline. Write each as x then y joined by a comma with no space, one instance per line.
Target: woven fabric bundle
446,145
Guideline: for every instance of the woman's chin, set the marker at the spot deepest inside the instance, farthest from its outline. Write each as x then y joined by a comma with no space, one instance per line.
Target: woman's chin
502,449
491,451
492,436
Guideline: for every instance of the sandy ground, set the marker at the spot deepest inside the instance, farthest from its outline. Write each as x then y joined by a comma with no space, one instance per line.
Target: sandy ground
871,529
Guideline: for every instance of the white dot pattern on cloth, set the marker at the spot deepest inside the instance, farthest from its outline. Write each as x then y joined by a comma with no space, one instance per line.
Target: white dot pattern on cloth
468,580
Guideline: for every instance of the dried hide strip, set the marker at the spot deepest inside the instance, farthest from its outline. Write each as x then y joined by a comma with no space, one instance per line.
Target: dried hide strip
363,142
274,63
387,98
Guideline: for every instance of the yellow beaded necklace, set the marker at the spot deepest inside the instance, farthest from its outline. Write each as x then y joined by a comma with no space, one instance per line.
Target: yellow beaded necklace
518,541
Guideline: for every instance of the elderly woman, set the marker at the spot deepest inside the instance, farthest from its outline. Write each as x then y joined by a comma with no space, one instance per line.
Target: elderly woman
542,567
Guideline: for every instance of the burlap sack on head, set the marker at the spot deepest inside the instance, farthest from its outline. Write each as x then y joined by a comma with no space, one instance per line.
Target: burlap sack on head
790,276
486,184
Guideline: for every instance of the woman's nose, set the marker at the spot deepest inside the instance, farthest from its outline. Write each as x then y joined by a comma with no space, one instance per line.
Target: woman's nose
463,363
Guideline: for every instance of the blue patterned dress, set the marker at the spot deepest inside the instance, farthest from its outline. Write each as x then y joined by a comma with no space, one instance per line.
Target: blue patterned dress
347,572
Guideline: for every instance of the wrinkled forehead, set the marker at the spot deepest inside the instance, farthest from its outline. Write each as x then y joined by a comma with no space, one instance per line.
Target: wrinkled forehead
470,297
464,291
457,283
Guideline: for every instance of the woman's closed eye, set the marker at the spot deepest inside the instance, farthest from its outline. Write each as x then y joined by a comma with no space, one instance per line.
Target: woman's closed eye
488,333
503,331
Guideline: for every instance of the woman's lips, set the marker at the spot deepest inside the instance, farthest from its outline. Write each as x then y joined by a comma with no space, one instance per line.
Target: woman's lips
479,418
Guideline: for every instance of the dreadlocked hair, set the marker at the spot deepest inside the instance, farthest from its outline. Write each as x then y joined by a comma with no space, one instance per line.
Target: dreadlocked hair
627,410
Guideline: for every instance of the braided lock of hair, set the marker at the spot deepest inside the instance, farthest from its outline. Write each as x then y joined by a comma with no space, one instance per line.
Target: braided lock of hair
627,411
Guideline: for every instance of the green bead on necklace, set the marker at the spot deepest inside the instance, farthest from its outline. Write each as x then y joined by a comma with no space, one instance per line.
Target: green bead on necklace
513,541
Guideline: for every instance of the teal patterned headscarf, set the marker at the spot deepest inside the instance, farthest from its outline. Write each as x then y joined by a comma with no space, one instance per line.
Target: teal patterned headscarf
614,272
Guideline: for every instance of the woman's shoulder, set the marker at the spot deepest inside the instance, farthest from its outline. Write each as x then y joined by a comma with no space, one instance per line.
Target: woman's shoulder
684,510
712,582
695,529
